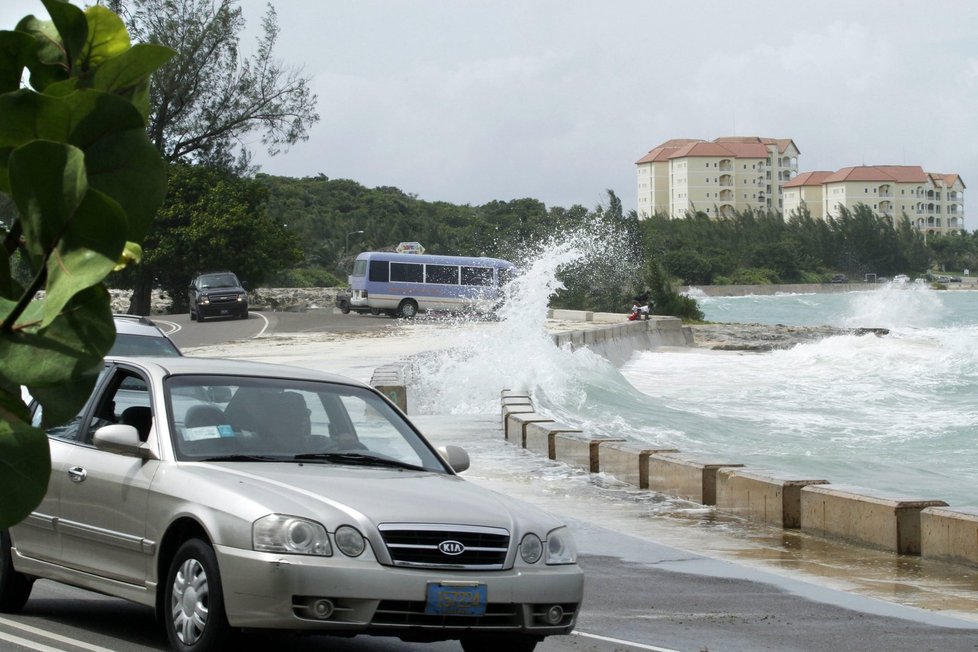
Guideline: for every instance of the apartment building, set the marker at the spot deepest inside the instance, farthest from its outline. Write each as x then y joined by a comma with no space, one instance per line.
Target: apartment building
933,202
729,174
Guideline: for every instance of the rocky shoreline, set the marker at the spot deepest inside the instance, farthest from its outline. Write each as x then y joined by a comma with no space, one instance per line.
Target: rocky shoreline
767,337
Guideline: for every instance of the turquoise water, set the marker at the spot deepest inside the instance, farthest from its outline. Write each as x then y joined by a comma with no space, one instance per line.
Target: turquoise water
894,413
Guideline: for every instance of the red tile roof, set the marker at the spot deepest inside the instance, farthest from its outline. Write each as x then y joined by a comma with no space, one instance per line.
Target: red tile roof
948,179
816,178
894,173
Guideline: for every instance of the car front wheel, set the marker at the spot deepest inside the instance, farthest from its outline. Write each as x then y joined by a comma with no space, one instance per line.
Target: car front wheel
15,587
194,603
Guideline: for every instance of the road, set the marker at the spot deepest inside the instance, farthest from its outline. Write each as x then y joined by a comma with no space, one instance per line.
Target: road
640,593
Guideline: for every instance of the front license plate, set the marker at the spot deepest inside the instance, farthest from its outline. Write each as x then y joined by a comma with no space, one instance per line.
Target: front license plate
456,599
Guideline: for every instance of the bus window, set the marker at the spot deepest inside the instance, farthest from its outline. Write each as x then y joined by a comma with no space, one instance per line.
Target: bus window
407,273
442,274
378,271
476,275
359,268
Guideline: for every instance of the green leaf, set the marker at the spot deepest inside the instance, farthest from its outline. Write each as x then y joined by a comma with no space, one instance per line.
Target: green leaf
128,74
15,48
72,27
48,64
119,158
25,469
87,252
54,357
107,38
48,184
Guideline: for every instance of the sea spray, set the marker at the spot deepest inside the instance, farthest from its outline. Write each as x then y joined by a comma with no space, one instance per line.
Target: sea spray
517,352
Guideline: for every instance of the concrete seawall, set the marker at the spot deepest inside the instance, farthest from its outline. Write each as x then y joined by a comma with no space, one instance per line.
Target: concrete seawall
911,525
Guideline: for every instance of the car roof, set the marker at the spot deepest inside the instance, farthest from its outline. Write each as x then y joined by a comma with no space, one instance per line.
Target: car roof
222,366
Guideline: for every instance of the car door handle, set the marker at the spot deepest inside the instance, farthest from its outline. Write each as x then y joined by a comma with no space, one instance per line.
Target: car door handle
77,474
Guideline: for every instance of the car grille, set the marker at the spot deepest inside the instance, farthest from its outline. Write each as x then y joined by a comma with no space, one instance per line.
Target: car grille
421,546
223,298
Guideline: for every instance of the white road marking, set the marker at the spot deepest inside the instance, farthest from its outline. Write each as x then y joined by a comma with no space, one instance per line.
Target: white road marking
40,632
264,328
618,641
171,325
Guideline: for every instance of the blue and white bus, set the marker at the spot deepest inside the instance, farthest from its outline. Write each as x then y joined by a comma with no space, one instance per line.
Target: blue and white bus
404,284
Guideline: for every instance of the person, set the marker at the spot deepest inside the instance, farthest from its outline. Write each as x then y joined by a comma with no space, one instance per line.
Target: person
639,310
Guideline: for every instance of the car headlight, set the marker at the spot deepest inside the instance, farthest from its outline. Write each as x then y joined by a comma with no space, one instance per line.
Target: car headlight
531,548
560,547
290,534
204,299
349,540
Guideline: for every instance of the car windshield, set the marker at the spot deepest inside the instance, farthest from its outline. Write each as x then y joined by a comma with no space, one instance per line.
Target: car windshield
219,281
128,344
254,419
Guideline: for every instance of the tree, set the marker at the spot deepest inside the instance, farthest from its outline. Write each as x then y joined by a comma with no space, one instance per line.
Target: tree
86,181
210,97
212,215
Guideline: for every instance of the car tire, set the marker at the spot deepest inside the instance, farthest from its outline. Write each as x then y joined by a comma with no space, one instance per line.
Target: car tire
375,311
344,306
244,314
407,310
495,642
193,602
15,588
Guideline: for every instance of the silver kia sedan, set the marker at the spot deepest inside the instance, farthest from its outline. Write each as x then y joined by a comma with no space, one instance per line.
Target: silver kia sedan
231,495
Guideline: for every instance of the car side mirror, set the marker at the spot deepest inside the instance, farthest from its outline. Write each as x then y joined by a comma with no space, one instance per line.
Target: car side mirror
123,439
456,457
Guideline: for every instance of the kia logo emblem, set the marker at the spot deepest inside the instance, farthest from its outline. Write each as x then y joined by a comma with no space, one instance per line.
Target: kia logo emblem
451,547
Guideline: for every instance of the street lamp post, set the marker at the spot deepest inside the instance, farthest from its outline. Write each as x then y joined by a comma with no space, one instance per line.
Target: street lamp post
346,249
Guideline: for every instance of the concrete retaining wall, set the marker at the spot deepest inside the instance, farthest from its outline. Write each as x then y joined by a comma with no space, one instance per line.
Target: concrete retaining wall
618,340
898,524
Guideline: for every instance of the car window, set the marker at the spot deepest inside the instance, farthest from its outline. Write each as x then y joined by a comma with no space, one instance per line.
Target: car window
277,419
219,281
128,344
127,401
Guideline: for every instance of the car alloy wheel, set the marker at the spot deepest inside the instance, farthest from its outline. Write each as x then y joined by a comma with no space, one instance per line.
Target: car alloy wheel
194,602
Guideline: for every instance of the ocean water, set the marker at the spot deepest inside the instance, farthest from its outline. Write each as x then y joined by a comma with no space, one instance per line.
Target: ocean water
896,413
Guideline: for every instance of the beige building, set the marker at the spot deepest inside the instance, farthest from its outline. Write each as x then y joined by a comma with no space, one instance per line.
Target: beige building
716,178
934,203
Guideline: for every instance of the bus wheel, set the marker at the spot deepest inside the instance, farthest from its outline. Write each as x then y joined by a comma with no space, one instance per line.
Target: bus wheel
407,309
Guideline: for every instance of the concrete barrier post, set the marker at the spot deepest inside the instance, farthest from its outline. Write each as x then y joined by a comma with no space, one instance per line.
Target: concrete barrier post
539,437
761,495
950,534
582,451
514,428
629,462
684,476
856,514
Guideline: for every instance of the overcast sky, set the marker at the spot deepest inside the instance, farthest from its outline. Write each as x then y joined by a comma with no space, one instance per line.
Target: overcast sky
469,102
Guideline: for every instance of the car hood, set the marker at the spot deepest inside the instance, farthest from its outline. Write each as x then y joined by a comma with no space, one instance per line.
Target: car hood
336,494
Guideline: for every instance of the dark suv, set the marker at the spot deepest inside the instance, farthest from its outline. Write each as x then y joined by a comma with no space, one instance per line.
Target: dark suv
217,294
